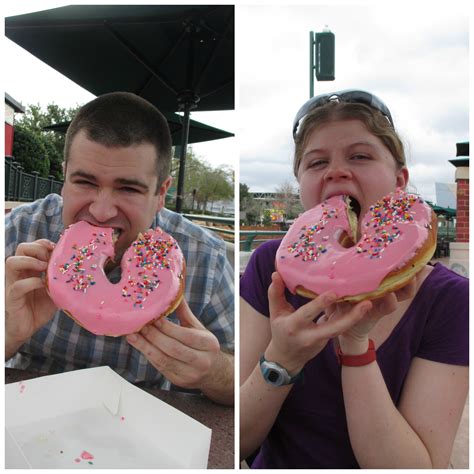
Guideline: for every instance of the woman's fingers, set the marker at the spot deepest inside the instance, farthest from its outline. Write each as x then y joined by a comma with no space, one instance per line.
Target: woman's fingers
334,326
277,303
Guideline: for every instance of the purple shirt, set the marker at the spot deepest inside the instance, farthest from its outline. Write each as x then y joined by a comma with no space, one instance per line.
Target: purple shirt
310,430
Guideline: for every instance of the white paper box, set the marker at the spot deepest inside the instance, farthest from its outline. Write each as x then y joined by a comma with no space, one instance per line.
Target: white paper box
93,418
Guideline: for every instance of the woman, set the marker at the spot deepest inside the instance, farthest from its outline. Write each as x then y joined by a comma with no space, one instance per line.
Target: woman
401,410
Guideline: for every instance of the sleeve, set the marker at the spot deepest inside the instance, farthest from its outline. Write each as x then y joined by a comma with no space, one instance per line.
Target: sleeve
446,335
218,314
11,235
257,277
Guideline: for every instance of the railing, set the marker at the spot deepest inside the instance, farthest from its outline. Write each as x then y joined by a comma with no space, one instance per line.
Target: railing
21,186
205,221
251,237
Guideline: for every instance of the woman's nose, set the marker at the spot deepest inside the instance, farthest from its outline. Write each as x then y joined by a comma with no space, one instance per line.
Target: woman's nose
337,169
102,208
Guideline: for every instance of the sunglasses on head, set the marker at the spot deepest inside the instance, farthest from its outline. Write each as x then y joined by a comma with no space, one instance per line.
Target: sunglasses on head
349,95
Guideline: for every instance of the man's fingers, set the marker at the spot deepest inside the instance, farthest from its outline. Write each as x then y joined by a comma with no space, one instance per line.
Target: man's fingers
25,263
40,249
199,339
186,316
21,288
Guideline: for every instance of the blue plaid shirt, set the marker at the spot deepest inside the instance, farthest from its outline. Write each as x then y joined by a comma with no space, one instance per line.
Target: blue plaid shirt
62,345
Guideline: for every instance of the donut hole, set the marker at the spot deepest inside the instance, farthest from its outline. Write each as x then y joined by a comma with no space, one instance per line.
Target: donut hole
354,206
345,240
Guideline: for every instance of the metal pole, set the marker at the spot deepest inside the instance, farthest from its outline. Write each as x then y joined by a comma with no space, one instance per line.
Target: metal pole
182,157
311,64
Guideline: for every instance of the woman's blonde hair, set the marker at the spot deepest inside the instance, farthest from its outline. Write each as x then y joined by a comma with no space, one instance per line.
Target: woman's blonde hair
376,123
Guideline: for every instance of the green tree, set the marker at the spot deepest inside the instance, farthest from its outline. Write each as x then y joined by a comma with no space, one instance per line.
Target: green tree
30,151
32,123
203,184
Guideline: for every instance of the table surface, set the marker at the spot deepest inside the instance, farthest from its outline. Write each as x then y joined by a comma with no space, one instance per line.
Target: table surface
217,417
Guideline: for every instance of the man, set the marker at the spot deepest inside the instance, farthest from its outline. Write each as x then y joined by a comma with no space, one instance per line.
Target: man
116,166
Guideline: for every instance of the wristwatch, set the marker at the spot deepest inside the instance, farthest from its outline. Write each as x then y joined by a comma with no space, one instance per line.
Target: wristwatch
276,375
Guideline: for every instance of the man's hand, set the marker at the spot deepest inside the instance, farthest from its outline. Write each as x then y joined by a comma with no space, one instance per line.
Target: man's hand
28,306
188,355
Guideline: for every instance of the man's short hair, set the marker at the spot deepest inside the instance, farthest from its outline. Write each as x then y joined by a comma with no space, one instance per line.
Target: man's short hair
121,119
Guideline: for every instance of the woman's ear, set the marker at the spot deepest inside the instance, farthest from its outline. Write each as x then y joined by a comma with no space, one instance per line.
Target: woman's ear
402,178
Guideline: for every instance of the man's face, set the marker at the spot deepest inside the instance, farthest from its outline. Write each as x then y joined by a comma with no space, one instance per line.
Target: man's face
112,187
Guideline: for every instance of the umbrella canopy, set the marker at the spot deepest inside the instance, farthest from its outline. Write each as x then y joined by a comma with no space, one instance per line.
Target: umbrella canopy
162,53
178,57
198,132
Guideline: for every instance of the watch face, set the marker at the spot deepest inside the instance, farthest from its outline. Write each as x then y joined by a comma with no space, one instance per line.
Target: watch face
273,376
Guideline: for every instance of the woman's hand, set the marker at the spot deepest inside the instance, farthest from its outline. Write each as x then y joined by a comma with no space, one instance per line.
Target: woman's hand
298,336
355,339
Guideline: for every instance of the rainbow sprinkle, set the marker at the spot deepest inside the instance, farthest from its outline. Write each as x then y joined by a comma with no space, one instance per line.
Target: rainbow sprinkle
75,267
382,223
305,247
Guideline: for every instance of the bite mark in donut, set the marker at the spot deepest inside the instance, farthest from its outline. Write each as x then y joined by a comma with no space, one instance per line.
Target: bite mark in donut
151,284
322,250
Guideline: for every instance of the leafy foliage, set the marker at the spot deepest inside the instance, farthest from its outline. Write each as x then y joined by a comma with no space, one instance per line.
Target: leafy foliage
36,149
30,151
203,184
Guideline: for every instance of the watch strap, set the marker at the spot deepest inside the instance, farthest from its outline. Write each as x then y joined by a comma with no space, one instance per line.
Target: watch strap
357,360
299,377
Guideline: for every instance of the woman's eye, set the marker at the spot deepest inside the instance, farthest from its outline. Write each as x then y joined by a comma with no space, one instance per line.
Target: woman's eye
316,163
360,157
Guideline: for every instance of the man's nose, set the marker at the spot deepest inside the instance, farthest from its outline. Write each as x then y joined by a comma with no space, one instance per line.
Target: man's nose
338,169
103,208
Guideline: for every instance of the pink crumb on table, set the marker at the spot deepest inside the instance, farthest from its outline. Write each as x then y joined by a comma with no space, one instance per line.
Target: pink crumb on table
122,418
86,455
77,460
22,387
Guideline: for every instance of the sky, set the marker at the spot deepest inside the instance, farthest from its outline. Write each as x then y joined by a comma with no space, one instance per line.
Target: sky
30,81
415,59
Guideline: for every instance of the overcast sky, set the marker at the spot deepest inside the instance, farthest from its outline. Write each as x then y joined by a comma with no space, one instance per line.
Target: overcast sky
415,60
30,81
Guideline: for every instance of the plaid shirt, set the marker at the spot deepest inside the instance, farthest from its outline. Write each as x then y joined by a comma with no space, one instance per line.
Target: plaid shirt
62,345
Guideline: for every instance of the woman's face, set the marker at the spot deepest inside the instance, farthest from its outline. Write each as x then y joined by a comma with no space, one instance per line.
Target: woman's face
343,157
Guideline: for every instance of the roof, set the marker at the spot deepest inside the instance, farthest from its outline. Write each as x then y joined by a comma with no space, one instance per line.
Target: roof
16,105
462,155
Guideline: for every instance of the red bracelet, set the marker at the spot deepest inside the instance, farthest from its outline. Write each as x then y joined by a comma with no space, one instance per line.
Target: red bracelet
357,360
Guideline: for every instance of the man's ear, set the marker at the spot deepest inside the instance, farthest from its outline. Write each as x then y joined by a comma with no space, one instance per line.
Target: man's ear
402,178
162,192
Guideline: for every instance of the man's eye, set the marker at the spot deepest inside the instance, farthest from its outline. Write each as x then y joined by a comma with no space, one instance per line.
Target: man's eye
83,182
127,189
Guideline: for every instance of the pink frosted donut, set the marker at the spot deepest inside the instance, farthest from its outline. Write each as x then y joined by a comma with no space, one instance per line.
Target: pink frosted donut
151,285
323,250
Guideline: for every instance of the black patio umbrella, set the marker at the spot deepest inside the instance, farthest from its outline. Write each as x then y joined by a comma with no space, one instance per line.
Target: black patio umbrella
178,57
198,132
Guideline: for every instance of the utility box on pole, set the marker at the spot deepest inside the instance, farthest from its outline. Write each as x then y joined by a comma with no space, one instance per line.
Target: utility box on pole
325,56
322,51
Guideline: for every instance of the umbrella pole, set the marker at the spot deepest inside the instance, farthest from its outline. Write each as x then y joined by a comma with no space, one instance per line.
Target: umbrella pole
182,158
